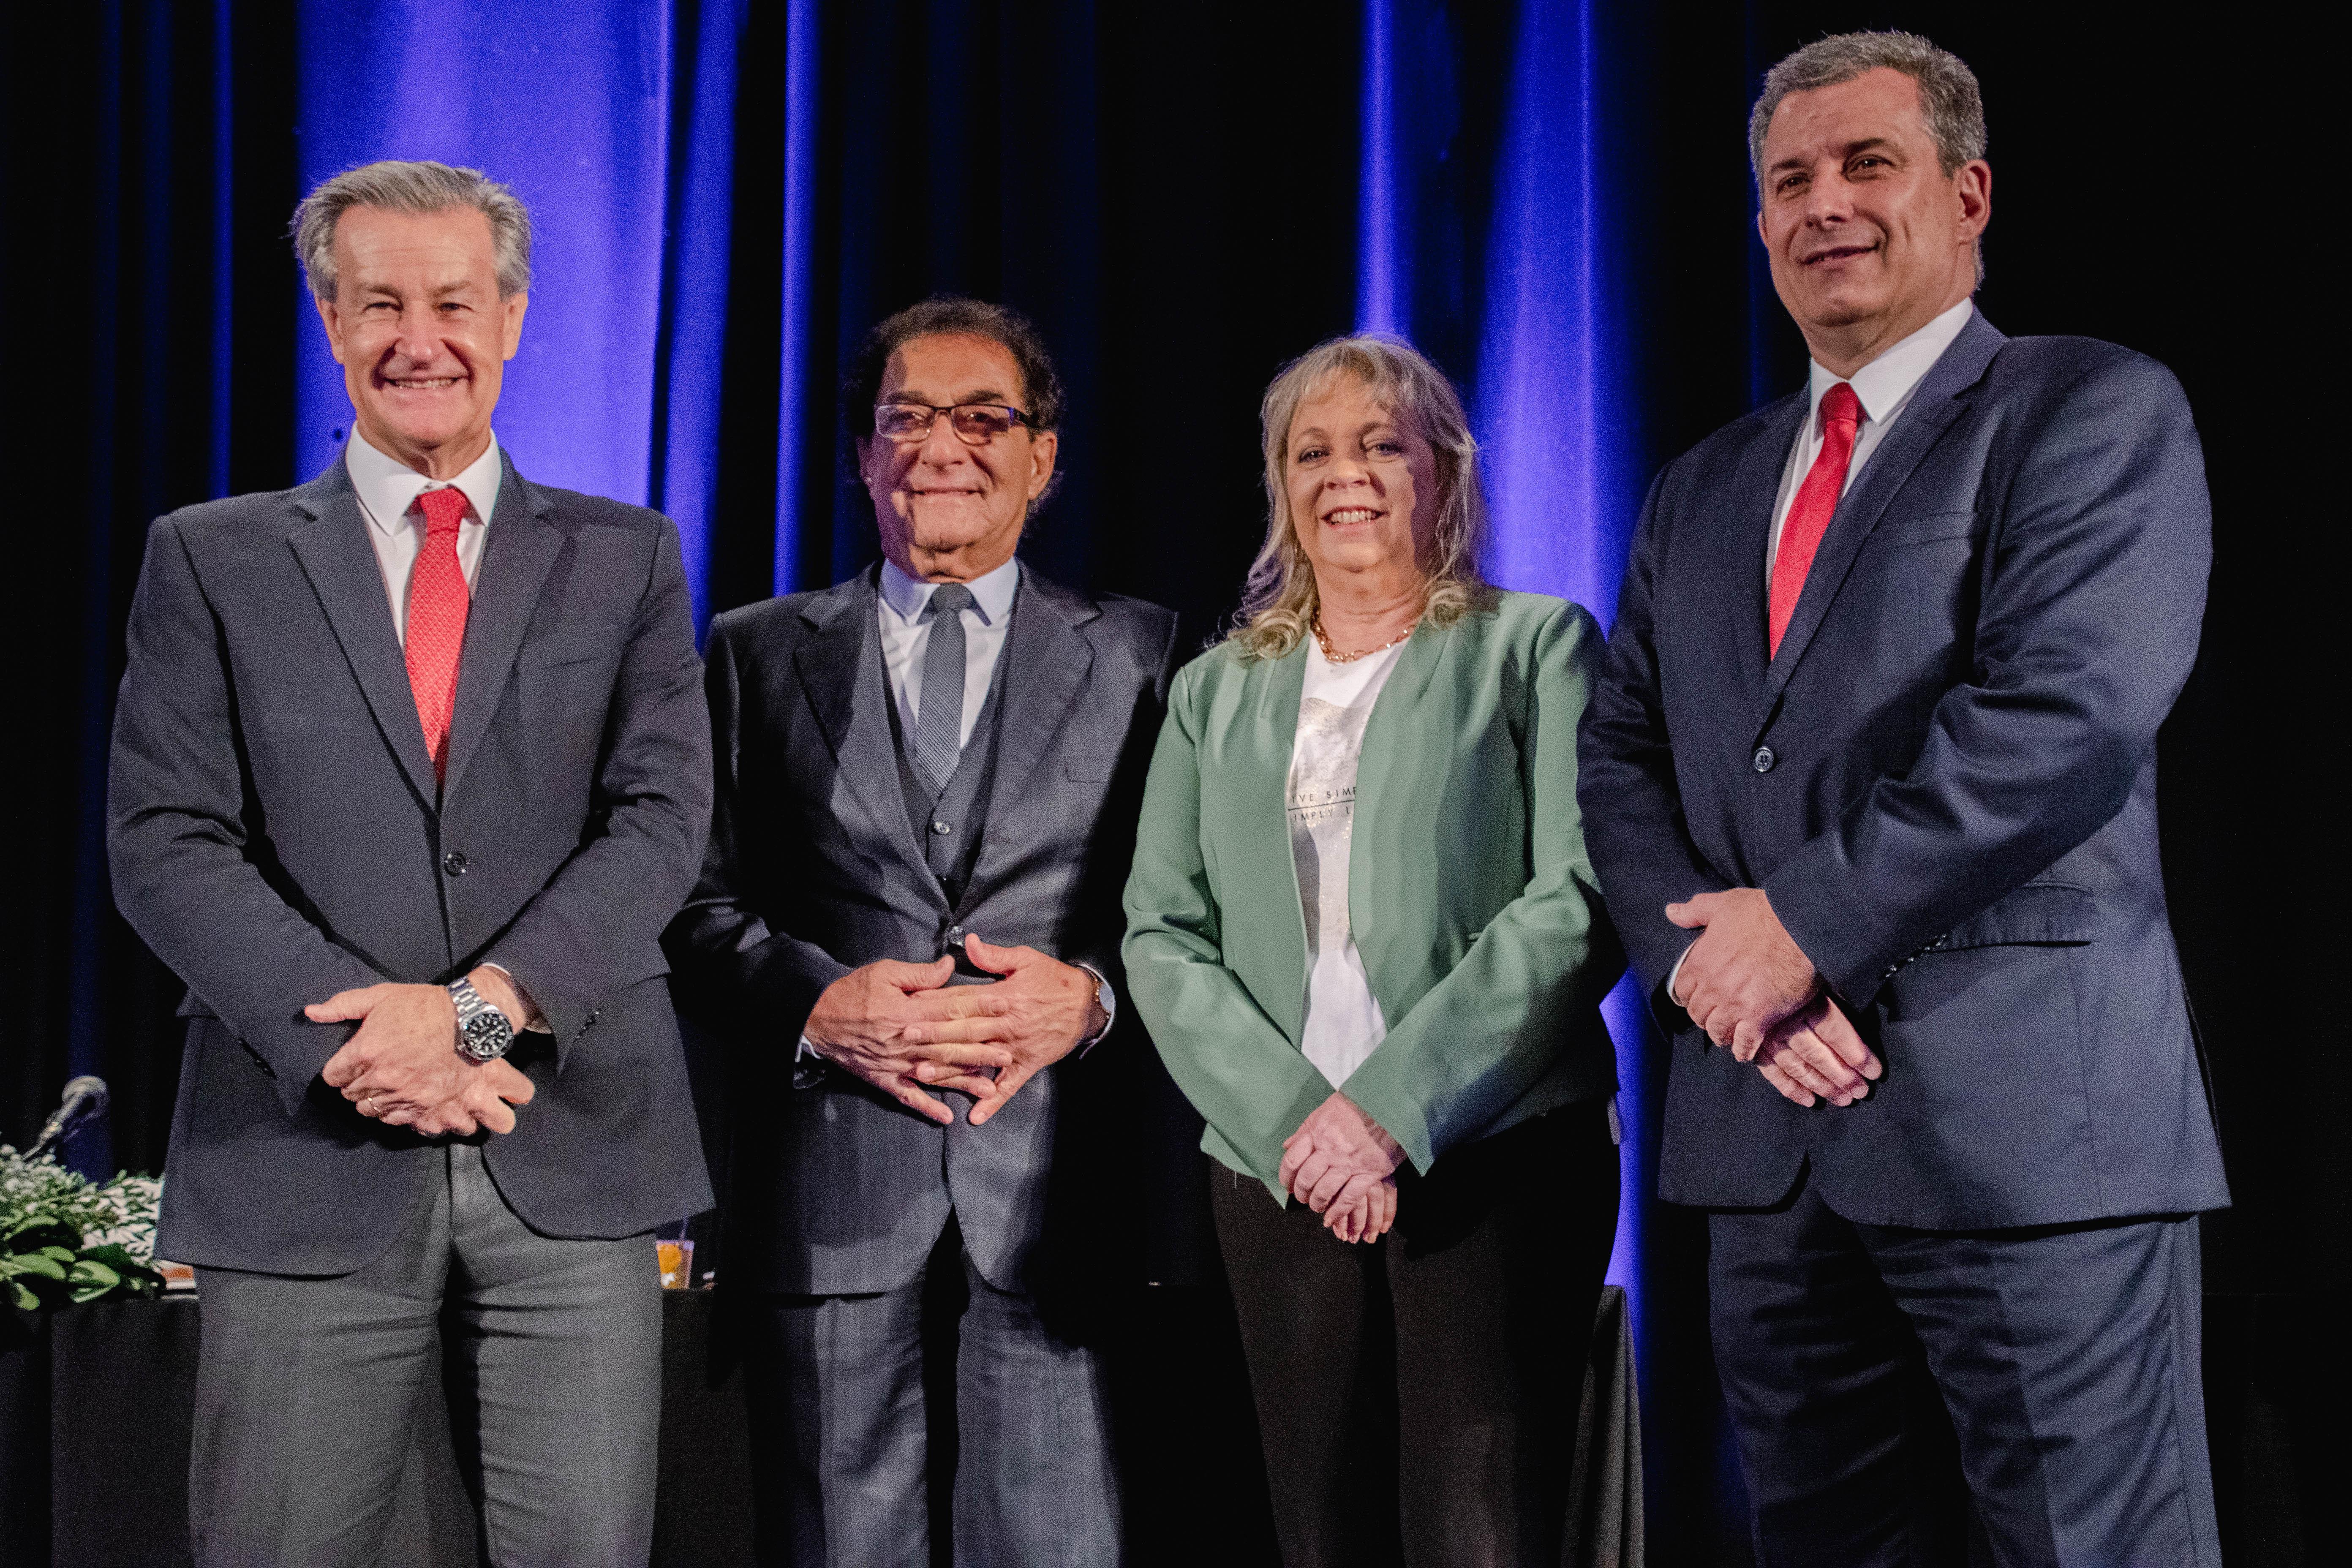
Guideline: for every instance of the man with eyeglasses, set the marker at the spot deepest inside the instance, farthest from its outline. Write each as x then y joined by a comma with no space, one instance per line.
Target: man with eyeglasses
927,786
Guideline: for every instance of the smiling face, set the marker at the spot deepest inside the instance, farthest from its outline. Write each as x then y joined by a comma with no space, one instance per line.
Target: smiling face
417,324
1362,485
1869,239
948,512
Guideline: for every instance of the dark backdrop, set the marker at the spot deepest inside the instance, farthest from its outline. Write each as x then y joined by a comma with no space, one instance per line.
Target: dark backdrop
2155,186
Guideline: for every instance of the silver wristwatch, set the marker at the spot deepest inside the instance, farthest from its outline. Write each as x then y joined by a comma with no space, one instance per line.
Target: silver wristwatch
483,1033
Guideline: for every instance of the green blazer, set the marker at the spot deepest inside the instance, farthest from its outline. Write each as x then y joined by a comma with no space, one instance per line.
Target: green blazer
1473,902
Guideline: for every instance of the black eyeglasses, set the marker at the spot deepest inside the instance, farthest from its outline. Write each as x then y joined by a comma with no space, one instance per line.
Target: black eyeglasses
975,424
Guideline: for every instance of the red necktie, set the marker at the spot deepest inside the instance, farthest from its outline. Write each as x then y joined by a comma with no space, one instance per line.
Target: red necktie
1810,513
437,601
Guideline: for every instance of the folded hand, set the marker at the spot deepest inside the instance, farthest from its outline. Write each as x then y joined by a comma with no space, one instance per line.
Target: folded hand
1038,1013
1341,1158
1815,1053
1364,1210
402,1067
883,1023
1744,972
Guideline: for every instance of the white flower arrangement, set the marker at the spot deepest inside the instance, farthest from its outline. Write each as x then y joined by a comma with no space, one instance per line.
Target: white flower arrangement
65,1239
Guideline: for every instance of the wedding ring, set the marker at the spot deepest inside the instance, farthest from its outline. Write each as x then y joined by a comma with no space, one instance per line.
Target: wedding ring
367,1105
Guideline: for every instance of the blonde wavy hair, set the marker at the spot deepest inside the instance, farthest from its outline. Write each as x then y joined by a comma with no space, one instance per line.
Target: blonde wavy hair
1278,603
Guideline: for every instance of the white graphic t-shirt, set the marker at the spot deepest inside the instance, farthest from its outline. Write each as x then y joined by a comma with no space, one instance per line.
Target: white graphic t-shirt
1343,1017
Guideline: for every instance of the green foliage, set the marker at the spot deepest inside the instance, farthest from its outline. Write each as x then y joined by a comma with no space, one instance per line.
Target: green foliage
64,1240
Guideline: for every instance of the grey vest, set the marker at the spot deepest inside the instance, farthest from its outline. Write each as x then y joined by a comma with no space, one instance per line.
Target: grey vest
950,826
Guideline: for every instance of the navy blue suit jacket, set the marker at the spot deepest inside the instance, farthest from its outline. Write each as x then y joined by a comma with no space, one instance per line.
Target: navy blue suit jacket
1945,781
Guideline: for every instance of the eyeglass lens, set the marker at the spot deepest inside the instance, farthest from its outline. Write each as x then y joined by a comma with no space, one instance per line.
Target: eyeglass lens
976,423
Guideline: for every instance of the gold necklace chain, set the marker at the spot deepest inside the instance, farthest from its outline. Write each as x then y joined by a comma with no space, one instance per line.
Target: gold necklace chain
1333,656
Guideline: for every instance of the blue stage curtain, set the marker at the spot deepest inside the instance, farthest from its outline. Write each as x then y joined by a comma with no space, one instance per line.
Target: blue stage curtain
569,104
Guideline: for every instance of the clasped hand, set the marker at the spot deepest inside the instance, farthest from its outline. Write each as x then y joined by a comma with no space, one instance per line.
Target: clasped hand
402,1067
1748,983
1342,1164
902,1028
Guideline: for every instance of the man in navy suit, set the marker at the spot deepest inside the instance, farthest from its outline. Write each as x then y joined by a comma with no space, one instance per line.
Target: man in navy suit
1870,786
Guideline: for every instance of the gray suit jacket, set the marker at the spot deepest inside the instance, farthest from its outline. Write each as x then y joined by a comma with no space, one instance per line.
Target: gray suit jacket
276,837
814,870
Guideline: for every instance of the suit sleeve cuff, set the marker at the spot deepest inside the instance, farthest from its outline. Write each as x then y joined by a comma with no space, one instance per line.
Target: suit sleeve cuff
532,1022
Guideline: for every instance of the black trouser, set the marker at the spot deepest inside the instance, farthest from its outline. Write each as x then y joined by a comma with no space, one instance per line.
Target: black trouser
1417,1397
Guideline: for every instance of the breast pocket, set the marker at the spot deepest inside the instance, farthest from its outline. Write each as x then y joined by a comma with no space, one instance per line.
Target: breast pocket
1924,528
1933,561
582,645
565,683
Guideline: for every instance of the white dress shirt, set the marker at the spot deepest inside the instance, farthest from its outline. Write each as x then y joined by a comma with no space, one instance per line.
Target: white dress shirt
1343,1023
1883,387
388,489
905,636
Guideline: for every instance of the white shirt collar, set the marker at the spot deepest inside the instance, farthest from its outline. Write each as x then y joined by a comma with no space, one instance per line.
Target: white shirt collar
991,591
1885,384
388,487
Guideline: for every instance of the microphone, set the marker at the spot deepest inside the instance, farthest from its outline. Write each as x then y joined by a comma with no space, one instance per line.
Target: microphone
85,1097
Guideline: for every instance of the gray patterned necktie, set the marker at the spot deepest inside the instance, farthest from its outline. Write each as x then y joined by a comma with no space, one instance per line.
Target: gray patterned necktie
939,717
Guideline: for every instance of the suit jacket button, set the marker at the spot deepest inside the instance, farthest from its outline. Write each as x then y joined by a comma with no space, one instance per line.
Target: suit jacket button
942,827
1764,759
954,939
454,863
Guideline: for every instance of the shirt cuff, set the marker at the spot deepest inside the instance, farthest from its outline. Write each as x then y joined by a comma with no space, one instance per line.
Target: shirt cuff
1108,996
532,1021
1676,973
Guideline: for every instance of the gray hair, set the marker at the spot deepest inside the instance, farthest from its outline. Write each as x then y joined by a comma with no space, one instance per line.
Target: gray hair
416,187
1280,601
1949,100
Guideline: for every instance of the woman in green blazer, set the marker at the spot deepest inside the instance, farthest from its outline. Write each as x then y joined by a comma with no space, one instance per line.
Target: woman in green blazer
1364,934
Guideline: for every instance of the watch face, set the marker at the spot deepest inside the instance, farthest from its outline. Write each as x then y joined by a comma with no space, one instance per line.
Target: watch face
485,1038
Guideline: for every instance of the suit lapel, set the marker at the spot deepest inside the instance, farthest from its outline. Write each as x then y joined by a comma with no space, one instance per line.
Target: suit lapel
840,668
1262,782
1923,422
1042,671
1740,577
1044,665
521,545
1405,692
1404,715
333,548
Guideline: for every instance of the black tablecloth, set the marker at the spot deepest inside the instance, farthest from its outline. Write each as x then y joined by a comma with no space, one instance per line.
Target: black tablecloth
113,1426
97,1402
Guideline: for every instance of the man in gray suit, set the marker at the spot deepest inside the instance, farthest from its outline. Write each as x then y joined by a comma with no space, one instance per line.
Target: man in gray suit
926,778
415,748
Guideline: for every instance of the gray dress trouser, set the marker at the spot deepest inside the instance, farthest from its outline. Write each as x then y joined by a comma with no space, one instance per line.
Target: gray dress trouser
840,1433
307,1390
